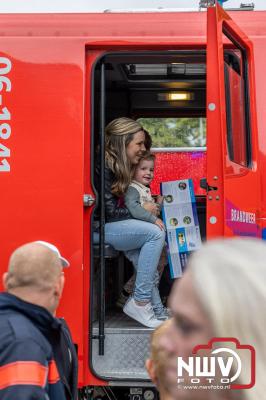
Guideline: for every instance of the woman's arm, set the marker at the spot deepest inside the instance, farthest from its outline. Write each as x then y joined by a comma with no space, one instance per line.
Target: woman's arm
112,211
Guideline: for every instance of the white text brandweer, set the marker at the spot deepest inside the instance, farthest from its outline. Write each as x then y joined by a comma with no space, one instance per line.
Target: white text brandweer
243,216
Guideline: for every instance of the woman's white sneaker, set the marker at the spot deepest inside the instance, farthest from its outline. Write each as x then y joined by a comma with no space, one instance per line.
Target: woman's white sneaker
143,314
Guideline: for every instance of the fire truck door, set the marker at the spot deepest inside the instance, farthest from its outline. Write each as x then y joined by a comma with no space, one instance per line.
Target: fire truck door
232,150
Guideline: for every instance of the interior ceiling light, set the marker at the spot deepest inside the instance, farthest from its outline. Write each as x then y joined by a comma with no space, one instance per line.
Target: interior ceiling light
176,96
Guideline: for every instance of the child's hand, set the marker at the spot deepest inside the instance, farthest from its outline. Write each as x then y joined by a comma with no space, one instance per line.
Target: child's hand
151,207
159,199
160,223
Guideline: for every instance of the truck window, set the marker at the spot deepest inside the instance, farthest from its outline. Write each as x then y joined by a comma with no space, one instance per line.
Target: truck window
237,103
171,133
180,147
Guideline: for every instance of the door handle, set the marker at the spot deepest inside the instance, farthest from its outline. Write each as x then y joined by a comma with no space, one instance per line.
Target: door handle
88,200
204,185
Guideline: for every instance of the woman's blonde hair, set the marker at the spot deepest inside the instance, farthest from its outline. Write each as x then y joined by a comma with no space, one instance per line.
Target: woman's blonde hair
229,277
118,134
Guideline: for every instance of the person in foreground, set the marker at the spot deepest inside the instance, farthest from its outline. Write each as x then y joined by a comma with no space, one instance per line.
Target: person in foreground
157,364
37,357
221,295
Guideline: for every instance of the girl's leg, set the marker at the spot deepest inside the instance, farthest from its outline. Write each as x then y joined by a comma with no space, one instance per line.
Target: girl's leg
162,262
130,284
161,312
133,256
128,287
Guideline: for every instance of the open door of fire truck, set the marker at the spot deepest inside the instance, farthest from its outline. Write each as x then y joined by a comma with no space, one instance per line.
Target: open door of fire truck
233,192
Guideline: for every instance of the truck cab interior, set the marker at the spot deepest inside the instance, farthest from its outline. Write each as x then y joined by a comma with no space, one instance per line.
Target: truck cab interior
167,93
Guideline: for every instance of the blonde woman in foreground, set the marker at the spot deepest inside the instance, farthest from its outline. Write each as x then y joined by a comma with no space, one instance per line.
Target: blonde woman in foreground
222,294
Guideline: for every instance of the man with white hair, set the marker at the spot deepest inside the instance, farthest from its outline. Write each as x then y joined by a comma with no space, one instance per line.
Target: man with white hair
37,356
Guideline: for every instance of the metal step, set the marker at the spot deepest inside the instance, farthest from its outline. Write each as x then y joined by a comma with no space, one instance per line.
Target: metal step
126,349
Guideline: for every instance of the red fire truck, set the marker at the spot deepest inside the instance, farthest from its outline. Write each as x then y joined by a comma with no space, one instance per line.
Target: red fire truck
62,78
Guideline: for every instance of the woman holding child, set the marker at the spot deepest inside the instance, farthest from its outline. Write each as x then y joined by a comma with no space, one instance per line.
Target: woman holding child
141,241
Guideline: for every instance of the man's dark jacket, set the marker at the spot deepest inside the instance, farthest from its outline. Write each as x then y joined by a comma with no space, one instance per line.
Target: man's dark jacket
37,357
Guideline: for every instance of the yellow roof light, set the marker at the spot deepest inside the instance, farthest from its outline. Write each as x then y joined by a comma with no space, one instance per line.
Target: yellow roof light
176,96
180,96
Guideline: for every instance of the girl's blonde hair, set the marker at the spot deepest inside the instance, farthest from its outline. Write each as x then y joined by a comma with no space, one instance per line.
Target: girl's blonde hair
148,157
229,277
118,134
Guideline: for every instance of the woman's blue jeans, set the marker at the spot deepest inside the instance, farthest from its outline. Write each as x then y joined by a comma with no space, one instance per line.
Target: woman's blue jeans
142,242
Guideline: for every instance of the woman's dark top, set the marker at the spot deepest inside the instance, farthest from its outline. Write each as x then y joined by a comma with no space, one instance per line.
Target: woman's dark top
113,209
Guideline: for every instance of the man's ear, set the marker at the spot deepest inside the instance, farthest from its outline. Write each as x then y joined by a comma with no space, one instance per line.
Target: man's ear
59,286
151,370
4,280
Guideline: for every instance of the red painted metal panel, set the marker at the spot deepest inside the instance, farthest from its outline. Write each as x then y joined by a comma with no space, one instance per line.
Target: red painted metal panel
184,165
186,27
88,378
232,180
42,195
215,113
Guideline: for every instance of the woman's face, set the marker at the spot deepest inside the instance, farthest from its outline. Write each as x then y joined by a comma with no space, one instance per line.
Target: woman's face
136,147
190,323
189,327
